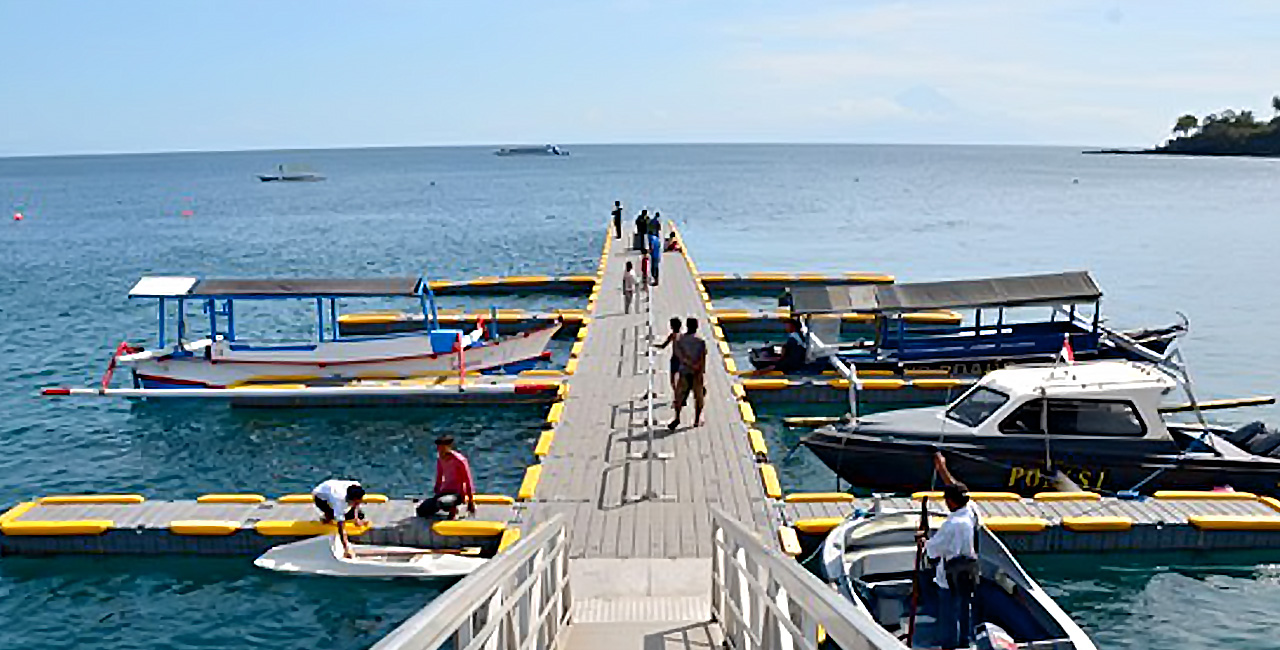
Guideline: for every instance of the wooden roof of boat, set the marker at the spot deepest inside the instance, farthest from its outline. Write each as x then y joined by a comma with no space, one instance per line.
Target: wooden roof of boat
187,287
1070,287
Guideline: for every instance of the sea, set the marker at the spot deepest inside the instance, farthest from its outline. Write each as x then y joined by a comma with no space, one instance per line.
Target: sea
1162,235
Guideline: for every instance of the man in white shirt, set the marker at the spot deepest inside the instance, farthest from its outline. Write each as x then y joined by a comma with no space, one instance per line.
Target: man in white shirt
952,548
336,496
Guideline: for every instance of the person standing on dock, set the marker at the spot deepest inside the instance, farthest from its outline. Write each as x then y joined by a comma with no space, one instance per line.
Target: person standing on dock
692,353
655,255
628,288
454,482
336,496
642,229
670,340
953,549
617,219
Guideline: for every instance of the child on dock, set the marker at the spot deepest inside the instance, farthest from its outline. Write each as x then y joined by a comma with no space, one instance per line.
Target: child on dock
628,288
670,340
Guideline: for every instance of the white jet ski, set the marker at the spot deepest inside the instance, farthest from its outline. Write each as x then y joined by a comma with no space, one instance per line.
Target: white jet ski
323,556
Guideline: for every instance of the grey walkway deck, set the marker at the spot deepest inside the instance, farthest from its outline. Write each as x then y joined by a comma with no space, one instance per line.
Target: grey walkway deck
589,474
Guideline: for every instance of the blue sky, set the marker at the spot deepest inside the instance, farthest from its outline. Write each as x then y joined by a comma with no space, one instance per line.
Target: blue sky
202,75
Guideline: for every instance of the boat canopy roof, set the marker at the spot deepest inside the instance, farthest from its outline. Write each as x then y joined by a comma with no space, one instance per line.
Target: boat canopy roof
189,287
1084,378
1071,287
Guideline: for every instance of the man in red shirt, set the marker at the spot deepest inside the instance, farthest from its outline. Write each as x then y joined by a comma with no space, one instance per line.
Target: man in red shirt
454,483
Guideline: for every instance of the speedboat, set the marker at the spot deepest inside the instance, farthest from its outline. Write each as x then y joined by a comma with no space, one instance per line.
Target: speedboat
291,173
1098,423
223,359
544,150
1008,324
323,556
870,560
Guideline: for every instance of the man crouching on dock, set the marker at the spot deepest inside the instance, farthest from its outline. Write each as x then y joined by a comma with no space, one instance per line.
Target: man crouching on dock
454,483
338,496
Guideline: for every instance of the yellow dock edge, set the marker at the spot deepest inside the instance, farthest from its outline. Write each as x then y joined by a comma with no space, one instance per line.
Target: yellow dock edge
529,485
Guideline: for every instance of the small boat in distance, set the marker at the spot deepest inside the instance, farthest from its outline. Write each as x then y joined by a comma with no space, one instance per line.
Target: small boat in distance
544,150
294,173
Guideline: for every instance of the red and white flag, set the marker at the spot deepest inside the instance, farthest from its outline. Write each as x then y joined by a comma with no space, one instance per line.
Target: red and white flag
1067,353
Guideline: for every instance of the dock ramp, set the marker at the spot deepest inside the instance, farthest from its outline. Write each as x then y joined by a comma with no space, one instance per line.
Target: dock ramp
528,598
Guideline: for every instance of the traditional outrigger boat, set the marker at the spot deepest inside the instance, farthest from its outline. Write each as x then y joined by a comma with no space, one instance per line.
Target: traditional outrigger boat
1020,429
291,173
221,359
544,150
870,559
323,556
986,342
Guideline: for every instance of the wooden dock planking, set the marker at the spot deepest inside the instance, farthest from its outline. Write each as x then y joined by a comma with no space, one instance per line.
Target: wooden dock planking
604,425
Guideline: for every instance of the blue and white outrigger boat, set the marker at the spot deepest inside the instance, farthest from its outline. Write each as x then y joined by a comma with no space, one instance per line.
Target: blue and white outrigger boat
1049,307
222,360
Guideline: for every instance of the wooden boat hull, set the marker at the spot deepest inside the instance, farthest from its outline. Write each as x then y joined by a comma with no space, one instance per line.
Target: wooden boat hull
222,365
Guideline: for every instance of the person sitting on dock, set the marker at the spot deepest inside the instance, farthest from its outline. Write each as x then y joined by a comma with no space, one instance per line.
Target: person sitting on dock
336,496
953,549
692,352
670,340
672,245
454,482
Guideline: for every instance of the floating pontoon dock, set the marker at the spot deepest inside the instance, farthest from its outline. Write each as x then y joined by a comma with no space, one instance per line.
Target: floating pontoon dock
623,534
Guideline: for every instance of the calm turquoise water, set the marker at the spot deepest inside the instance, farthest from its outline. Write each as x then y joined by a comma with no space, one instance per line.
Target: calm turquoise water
1159,233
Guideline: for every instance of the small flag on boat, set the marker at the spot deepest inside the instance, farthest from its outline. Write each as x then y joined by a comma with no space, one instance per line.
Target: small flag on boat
1067,353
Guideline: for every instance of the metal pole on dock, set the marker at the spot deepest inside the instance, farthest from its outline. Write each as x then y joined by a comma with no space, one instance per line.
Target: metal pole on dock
649,455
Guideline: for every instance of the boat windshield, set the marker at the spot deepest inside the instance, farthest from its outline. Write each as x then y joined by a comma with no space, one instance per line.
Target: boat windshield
973,409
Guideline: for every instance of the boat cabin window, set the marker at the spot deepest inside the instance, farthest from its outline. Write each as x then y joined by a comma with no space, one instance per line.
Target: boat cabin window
973,409
1077,417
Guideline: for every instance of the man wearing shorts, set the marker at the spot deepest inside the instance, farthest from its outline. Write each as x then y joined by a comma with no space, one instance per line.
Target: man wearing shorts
691,351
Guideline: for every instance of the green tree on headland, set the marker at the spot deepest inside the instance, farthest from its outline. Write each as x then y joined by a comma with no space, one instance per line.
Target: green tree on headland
1185,124
1226,133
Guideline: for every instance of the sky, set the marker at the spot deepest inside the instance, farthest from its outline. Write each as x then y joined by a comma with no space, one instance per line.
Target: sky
128,76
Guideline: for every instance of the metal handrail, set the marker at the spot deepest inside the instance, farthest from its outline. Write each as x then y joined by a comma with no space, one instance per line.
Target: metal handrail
518,599
766,601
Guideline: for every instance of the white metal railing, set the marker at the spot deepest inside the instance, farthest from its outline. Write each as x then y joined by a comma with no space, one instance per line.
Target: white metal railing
766,601
519,600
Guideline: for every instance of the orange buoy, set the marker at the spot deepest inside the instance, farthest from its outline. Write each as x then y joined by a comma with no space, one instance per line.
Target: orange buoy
17,216
188,213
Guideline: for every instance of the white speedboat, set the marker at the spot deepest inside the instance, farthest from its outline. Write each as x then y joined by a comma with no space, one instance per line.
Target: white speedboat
323,556
223,359
870,559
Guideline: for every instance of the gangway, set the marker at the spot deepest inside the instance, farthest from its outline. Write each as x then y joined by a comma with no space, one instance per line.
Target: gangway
523,600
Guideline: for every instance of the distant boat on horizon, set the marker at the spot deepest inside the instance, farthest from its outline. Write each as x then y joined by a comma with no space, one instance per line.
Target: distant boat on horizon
544,150
294,173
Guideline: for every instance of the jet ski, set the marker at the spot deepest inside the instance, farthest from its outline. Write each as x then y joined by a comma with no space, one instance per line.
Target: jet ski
323,556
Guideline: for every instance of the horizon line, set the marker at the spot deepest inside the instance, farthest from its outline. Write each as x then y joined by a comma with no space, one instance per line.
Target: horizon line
157,152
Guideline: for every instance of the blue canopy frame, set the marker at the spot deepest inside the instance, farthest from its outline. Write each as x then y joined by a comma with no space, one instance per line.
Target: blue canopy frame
180,289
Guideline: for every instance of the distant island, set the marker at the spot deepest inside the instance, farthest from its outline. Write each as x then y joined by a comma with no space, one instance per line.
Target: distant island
1228,133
